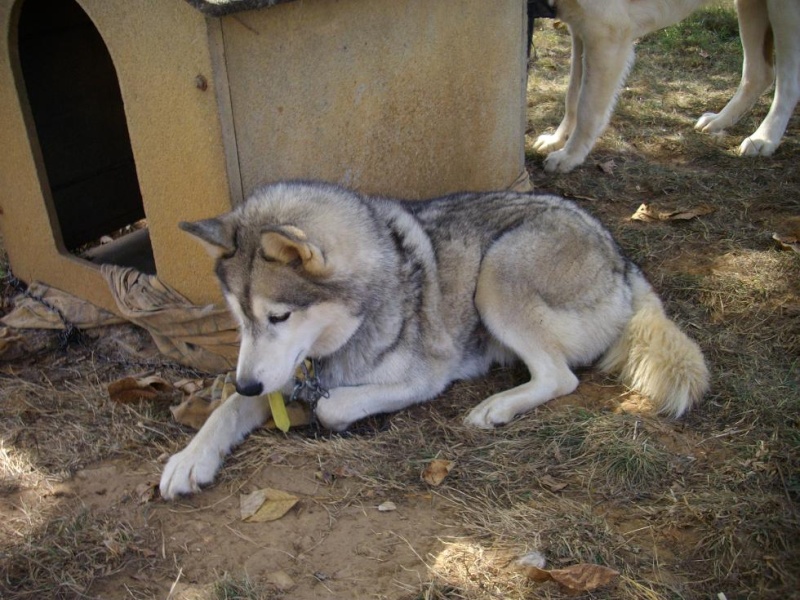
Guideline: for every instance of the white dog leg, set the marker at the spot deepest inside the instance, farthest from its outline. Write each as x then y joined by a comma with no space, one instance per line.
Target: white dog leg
757,72
785,19
547,143
550,378
606,63
198,463
345,405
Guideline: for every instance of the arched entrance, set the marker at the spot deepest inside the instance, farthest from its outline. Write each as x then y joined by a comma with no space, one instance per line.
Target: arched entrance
79,117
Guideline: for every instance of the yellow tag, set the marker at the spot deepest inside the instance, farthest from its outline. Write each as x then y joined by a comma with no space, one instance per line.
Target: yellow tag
279,414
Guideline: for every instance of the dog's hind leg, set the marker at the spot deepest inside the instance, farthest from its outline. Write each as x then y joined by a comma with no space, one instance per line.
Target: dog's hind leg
785,21
757,71
550,377
524,328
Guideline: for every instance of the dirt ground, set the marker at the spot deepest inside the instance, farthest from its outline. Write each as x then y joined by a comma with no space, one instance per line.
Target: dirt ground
705,507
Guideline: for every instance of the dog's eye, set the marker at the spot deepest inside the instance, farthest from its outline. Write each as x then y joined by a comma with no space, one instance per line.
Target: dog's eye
275,319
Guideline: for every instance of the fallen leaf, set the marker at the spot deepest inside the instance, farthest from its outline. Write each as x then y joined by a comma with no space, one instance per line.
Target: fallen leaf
387,506
189,386
787,234
551,483
436,471
146,492
228,386
194,411
584,577
267,504
299,414
685,214
576,578
537,574
281,580
648,213
133,389
607,167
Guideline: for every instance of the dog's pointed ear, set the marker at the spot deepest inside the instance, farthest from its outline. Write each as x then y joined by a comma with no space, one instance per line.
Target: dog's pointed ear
289,245
217,235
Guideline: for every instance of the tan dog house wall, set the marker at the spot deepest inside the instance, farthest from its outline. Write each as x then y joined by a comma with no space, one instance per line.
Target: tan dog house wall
115,111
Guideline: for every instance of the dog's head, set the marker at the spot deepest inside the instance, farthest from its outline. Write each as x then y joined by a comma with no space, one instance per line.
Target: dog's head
285,288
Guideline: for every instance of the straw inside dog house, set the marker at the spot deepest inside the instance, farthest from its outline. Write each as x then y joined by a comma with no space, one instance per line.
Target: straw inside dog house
121,118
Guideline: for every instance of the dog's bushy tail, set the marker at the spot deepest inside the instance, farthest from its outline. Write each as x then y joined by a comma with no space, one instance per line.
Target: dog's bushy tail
654,357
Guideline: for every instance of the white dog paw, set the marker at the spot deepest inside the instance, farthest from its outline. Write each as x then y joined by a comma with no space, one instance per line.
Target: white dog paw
488,415
754,146
561,162
189,469
709,123
329,414
549,142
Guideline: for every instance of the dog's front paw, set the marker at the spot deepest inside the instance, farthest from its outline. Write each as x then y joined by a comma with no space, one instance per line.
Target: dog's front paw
489,414
186,471
329,414
561,162
710,123
549,142
754,146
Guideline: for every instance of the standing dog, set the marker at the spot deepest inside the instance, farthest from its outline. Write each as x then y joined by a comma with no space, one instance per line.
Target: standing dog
396,300
603,33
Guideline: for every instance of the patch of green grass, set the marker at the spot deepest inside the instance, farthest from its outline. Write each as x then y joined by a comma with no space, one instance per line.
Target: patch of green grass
241,587
709,28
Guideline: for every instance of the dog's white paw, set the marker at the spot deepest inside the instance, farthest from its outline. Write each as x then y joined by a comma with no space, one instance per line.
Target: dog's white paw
186,471
549,142
561,162
489,414
329,414
710,123
754,146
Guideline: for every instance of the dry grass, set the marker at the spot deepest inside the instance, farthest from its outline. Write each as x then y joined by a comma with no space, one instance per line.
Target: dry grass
689,510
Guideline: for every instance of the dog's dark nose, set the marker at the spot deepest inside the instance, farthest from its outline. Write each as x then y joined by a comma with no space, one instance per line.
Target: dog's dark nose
249,388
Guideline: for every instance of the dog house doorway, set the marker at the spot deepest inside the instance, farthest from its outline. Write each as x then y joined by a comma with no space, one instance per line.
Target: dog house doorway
73,95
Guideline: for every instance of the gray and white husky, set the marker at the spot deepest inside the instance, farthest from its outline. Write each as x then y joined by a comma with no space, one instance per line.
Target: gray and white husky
395,300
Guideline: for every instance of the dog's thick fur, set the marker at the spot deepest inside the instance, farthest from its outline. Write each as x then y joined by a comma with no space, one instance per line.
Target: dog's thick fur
398,299
603,34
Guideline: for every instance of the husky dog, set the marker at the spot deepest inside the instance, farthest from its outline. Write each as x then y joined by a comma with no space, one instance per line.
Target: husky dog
395,300
603,33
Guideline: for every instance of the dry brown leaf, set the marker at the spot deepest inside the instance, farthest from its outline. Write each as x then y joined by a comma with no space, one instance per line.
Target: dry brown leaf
537,574
584,577
189,386
281,580
194,411
436,471
607,167
146,492
133,389
649,213
787,234
266,504
551,483
575,578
